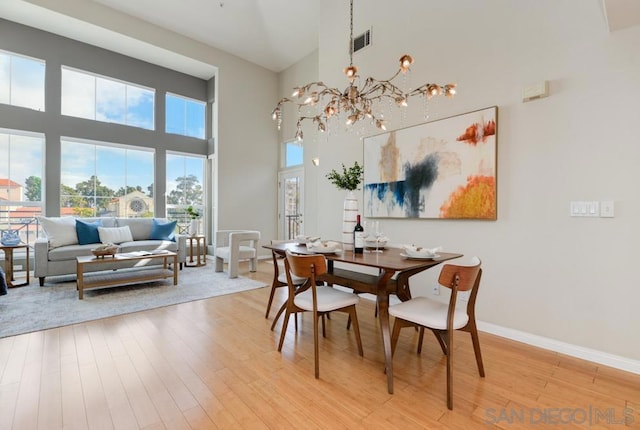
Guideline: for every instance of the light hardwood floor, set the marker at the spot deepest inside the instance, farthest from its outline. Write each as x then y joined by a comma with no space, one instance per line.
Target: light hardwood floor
214,363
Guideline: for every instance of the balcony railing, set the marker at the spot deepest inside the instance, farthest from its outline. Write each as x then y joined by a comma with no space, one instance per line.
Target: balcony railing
24,222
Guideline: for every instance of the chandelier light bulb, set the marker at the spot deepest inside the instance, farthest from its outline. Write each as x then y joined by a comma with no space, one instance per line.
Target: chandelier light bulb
450,90
405,62
351,72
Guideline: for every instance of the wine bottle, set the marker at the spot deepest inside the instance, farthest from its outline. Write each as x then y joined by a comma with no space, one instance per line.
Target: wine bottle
358,237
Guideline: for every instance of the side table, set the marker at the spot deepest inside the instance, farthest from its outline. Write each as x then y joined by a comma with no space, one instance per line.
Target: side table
197,251
8,264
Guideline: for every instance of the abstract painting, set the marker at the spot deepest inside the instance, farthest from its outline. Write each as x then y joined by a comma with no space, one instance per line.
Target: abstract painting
443,169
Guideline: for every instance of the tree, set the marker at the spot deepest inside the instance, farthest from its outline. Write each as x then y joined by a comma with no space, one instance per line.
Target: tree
188,191
33,191
69,198
122,191
93,192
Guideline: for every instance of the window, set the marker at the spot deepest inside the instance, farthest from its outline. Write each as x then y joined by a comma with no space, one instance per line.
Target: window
21,168
21,81
293,154
102,179
185,179
90,96
185,116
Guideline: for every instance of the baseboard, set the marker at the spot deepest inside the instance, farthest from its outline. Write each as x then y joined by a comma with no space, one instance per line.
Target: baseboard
616,361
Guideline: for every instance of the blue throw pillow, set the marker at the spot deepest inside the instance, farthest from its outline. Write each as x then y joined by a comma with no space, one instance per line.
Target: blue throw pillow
88,231
163,230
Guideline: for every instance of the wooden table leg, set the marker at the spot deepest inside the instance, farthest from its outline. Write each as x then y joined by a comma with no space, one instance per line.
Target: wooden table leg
385,328
80,281
175,268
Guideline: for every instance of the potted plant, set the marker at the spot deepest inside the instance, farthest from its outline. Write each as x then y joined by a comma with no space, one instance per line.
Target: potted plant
194,215
349,179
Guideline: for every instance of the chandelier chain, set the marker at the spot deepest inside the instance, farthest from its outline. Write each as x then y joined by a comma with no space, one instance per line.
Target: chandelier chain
351,35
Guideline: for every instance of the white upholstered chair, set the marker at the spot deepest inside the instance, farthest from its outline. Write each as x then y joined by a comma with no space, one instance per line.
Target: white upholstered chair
235,245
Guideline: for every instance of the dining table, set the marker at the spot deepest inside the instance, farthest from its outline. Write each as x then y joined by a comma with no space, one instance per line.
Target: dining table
394,269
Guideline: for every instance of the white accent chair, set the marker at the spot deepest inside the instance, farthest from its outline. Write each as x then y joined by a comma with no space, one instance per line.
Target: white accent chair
235,245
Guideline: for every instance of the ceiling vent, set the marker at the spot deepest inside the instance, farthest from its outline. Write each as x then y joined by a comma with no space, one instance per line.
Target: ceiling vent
362,41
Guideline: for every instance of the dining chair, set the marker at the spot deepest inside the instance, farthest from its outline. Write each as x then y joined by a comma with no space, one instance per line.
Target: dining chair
318,299
280,278
444,318
235,245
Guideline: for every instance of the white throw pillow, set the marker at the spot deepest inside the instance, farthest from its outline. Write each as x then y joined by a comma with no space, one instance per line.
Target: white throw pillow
115,234
60,231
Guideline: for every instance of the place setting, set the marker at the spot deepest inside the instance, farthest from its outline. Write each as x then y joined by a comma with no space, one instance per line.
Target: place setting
413,252
324,247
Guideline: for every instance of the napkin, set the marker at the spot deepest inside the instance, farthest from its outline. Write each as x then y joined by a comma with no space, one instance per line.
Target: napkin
327,245
421,251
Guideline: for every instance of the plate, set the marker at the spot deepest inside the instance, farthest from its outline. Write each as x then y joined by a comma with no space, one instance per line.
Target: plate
303,241
420,258
324,251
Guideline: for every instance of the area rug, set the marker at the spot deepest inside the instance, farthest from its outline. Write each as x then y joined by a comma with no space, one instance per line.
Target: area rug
33,308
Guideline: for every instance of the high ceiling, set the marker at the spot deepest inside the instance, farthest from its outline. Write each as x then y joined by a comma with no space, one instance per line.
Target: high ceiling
271,33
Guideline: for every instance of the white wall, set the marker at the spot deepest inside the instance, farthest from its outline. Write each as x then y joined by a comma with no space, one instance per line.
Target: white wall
548,274
247,149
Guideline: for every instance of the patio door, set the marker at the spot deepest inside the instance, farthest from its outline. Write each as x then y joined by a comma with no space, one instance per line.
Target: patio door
290,203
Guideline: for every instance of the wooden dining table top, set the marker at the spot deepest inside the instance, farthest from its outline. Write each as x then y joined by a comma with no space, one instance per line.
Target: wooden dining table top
389,259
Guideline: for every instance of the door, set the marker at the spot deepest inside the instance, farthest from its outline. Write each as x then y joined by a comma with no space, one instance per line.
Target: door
291,204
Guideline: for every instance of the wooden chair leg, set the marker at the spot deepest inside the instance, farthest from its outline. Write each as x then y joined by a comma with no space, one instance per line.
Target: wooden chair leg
273,293
395,333
438,335
420,339
476,349
316,350
285,323
353,316
275,319
449,369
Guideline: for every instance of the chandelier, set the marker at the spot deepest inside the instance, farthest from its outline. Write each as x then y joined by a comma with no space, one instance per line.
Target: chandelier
356,102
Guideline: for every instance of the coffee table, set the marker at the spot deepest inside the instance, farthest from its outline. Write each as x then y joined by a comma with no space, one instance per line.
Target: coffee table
124,276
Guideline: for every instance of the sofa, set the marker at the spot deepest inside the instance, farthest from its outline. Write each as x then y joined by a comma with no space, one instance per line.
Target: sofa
66,238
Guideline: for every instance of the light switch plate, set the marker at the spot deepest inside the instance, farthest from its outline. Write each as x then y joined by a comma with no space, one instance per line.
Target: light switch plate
607,209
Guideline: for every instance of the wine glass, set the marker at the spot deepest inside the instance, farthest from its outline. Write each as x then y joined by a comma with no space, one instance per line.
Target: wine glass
378,234
368,226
